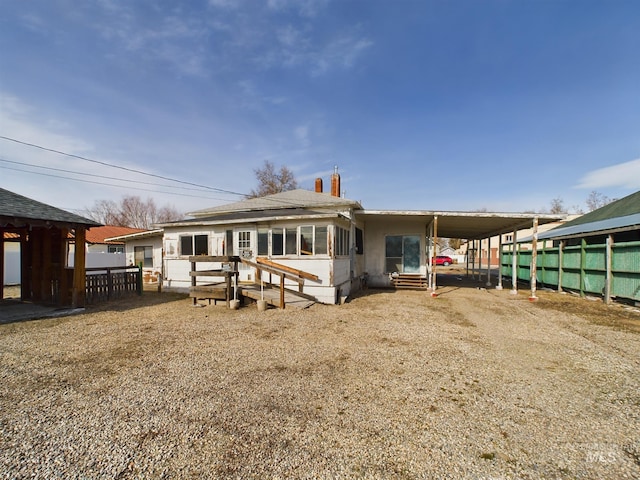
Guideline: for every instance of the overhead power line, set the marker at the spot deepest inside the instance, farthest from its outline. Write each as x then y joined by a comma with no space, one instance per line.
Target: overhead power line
127,169
108,184
97,176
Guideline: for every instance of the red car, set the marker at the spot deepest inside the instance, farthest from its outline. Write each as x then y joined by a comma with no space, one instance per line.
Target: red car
442,260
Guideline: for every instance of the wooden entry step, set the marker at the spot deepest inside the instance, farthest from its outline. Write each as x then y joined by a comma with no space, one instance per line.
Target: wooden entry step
410,281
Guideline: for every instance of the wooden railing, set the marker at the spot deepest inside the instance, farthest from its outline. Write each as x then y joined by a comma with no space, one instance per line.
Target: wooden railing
104,284
283,271
213,291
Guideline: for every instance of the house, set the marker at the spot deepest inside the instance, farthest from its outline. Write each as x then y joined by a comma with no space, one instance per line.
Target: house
42,232
143,247
332,238
596,253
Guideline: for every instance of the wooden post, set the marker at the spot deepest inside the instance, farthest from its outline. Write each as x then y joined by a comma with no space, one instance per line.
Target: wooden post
534,262
140,285
499,286
434,285
514,264
63,285
45,279
79,272
35,239
193,283
25,266
282,292
560,261
488,284
608,277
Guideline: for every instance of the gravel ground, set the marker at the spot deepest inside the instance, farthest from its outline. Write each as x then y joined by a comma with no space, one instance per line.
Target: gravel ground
473,384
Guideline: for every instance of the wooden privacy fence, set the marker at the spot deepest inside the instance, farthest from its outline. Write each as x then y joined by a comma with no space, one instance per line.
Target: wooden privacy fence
103,284
602,268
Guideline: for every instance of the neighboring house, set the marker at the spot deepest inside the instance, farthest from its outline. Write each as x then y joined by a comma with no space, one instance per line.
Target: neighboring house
143,247
596,253
326,235
101,250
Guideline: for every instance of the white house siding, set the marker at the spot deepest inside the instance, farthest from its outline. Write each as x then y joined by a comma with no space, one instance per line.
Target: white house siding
334,273
150,273
374,245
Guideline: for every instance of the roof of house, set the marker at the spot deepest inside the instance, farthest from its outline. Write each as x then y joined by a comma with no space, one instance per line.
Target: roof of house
623,214
18,210
628,205
101,234
136,236
284,200
254,216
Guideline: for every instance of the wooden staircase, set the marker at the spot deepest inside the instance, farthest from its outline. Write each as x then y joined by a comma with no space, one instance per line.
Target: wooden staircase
409,281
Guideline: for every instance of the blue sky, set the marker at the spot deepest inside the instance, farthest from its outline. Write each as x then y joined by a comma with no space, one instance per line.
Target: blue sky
450,105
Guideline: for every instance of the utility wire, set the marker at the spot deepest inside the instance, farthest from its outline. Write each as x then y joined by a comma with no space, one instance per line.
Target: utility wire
220,190
110,184
97,176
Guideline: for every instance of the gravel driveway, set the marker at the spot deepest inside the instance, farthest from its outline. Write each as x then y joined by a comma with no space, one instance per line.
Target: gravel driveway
473,384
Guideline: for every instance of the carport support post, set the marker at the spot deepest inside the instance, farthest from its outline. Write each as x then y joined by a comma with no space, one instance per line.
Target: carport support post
514,264
534,261
480,260
499,286
435,252
488,262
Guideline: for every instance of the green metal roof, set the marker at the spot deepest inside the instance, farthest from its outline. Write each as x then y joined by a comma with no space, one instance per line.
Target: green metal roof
626,206
16,208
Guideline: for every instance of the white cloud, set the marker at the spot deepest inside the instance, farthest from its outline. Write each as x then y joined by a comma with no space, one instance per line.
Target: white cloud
306,8
342,52
626,175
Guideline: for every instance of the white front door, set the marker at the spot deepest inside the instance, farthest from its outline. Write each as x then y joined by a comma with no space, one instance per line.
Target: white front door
245,248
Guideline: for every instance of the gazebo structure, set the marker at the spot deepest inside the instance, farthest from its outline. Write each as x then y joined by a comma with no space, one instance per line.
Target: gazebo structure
43,232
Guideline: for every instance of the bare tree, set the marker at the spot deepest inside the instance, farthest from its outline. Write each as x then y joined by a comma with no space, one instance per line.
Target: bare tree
133,212
271,181
557,206
597,200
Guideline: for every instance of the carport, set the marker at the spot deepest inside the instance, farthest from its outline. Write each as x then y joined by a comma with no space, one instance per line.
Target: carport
471,226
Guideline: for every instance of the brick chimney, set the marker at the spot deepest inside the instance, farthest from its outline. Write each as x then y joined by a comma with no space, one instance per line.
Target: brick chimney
318,185
335,182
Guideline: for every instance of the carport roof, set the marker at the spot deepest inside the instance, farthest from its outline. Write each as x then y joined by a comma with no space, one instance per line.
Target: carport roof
467,225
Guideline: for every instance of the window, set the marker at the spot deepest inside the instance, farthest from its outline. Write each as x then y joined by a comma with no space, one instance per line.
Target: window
306,240
263,242
359,242
321,240
342,241
393,253
244,244
277,243
115,248
194,245
402,253
290,247
228,243
144,256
